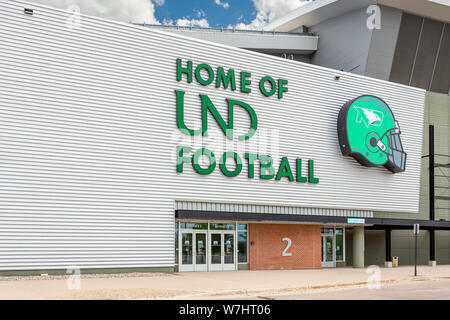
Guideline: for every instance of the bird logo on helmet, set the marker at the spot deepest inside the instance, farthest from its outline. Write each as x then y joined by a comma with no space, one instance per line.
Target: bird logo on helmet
368,131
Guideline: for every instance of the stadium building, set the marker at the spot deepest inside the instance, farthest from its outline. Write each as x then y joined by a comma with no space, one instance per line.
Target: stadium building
131,147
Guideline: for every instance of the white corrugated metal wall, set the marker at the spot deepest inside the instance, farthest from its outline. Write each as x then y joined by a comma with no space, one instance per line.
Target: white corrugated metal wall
87,127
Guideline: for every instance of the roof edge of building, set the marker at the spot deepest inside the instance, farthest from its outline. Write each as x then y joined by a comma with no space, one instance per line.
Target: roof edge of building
321,10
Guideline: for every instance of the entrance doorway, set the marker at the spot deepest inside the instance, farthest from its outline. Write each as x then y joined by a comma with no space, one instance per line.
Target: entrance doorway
222,253
333,246
202,246
193,251
328,253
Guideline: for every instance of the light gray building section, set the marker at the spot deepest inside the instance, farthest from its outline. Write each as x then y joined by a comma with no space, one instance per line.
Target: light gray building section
407,49
411,48
344,42
383,44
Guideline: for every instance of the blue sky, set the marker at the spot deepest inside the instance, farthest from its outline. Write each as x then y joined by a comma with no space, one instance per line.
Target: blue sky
240,14
216,15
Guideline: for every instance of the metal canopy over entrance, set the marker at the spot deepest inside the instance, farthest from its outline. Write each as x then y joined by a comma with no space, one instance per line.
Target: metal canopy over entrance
370,223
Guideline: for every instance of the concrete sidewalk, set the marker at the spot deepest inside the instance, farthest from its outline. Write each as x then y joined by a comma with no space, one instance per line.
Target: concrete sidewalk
201,285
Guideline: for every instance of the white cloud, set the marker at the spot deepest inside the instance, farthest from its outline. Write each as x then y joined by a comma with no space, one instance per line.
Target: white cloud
186,22
120,10
269,10
226,5
200,13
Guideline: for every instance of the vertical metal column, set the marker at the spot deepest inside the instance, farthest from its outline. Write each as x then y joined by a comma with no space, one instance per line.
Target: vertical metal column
388,245
416,233
431,171
415,252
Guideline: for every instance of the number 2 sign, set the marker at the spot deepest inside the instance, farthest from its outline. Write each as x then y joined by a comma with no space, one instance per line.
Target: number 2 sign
288,245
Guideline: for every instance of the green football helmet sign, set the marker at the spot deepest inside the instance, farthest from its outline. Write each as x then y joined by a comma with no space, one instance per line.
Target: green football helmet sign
368,131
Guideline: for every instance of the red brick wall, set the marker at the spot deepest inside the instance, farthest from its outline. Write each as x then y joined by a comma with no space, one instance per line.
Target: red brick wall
266,246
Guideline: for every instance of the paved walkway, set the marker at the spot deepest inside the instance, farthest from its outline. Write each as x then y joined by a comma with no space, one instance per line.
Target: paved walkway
202,285
417,290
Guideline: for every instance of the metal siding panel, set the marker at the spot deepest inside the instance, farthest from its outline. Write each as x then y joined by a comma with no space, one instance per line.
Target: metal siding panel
344,42
405,51
87,121
382,46
441,79
426,53
267,209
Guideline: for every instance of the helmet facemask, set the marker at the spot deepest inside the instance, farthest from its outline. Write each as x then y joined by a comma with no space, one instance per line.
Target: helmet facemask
396,155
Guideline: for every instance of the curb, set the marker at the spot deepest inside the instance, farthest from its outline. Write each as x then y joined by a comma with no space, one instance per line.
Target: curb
301,289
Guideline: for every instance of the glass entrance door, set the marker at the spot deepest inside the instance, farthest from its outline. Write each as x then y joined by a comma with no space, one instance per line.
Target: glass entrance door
228,252
222,251
328,259
200,252
186,252
193,251
333,246
215,246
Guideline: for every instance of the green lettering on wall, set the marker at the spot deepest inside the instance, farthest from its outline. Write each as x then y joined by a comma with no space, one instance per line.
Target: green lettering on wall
187,70
181,158
198,75
262,87
245,82
284,170
226,80
311,177
196,165
207,105
251,157
180,115
237,160
282,88
300,178
251,112
266,164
